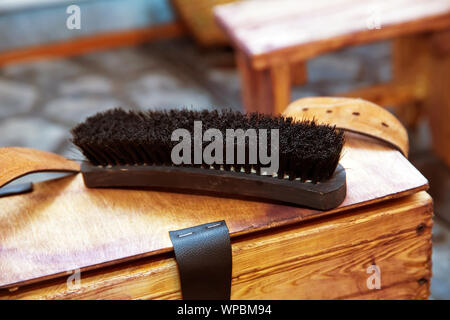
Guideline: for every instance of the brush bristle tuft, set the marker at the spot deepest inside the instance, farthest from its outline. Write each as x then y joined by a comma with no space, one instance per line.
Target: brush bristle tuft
307,150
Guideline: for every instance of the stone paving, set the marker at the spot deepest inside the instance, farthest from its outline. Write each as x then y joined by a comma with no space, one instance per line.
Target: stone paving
40,101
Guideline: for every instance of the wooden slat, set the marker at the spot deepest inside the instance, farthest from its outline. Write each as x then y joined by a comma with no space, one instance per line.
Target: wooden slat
323,259
281,87
411,290
411,58
299,73
423,63
63,226
249,85
91,43
438,100
393,95
290,31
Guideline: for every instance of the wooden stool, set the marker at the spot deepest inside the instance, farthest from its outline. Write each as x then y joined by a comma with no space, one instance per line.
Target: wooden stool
274,39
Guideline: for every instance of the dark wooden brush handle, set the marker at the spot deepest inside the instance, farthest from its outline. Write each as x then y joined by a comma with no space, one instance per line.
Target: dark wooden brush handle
322,196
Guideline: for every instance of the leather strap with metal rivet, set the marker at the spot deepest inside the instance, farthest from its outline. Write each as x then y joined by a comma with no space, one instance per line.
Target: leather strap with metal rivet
203,255
355,115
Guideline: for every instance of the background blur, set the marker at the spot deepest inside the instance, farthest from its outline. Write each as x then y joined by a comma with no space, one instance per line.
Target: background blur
41,99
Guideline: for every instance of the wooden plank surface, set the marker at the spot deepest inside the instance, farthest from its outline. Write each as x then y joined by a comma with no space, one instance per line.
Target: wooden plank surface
272,32
325,258
63,226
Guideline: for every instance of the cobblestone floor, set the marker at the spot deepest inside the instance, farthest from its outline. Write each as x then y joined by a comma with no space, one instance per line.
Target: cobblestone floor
41,101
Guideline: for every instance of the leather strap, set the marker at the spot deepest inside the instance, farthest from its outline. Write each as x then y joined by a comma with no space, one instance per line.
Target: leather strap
16,162
16,189
356,115
203,254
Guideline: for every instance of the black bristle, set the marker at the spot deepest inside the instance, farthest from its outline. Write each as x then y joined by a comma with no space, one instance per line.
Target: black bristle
307,150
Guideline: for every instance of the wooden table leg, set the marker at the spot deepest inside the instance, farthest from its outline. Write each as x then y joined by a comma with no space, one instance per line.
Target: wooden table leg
410,64
274,89
248,82
424,60
438,98
298,73
280,77
266,91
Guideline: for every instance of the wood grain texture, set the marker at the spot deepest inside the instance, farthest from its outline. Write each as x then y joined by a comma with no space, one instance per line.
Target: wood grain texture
16,162
264,30
64,226
354,115
325,258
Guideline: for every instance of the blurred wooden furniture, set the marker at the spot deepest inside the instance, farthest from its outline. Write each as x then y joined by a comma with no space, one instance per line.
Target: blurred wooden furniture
119,239
89,43
197,16
274,39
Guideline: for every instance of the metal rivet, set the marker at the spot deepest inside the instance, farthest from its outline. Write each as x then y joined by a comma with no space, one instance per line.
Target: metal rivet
420,228
213,226
184,235
422,281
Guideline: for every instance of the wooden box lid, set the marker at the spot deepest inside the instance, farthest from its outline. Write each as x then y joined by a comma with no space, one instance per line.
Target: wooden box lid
63,226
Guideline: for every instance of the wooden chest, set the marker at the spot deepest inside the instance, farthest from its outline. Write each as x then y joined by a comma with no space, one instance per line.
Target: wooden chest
63,241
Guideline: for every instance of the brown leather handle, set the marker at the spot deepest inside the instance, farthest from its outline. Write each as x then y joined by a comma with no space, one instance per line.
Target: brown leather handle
16,162
356,115
204,259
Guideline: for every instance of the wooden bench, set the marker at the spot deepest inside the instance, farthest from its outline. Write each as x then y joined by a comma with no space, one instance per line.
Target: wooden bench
274,39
